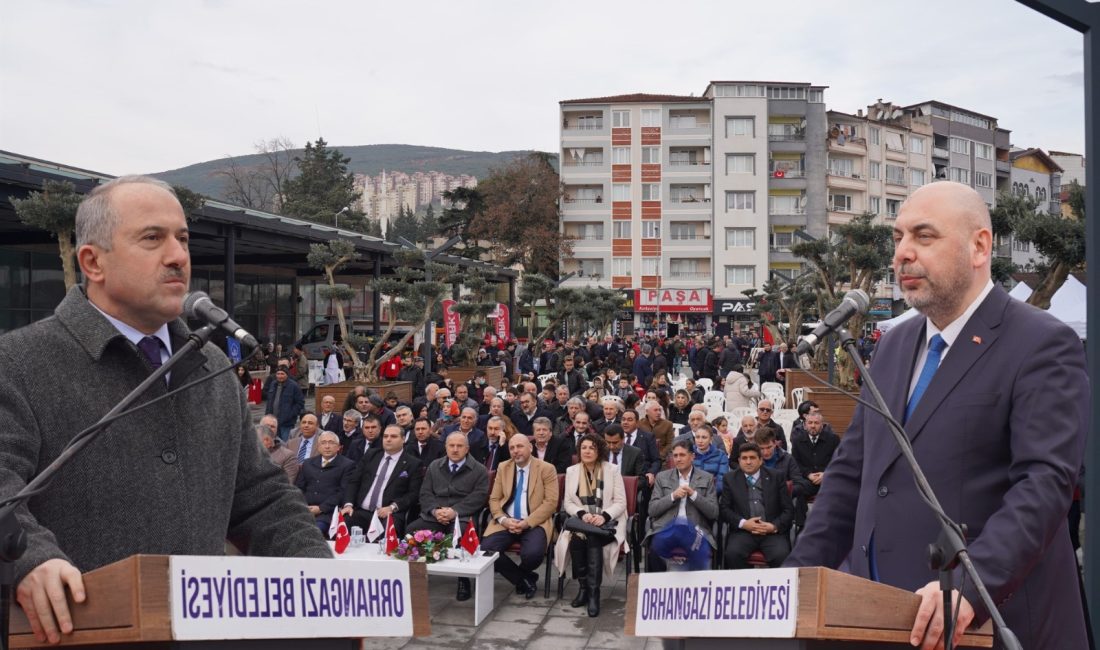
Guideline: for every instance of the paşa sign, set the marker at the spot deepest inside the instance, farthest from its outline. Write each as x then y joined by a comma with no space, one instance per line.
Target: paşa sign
673,300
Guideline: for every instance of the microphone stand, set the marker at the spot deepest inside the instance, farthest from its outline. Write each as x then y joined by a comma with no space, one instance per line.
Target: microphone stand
13,539
949,550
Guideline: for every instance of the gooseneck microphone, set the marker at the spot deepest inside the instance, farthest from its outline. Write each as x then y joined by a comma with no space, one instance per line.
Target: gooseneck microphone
855,302
198,306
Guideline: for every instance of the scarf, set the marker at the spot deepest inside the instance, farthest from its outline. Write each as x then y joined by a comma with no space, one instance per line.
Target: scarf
590,489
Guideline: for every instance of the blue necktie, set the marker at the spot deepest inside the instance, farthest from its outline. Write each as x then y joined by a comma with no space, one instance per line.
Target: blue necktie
935,351
302,449
150,347
516,510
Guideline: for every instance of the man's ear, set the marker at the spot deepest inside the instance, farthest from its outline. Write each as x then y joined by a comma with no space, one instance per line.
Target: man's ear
89,257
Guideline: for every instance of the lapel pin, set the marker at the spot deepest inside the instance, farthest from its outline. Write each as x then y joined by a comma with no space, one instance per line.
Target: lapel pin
977,339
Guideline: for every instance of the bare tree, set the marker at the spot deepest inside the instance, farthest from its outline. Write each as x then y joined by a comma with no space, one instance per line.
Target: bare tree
278,166
261,186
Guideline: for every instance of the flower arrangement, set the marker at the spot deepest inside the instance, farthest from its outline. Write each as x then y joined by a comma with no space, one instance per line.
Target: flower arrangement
423,546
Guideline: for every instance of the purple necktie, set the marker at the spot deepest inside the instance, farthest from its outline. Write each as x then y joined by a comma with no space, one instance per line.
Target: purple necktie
150,347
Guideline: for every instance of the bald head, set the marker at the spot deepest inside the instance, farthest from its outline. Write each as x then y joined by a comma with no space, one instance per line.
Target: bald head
961,202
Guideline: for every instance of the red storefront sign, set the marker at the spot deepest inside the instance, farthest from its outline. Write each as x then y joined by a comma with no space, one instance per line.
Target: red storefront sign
502,323
673,300
451,324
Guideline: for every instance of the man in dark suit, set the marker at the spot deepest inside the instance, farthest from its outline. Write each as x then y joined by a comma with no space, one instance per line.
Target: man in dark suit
526,412
454,487
571,377
612,407
324,479
369,437
423,445
756,505
467,425
385,482
767,363
812,449
628,458
284,401
644,441
329,418
993,395
550,448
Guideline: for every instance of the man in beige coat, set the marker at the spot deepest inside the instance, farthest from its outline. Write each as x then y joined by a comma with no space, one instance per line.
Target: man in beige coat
523,501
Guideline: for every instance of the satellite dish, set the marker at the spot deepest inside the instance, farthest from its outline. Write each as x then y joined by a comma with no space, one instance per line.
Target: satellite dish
896,114
834,132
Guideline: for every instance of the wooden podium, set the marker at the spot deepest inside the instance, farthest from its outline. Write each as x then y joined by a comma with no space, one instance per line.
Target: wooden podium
128,603
835,610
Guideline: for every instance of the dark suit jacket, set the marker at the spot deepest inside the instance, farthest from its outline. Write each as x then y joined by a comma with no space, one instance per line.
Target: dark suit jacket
651,456
325,487
479,443
810,457
403,487
335,422
358,447
631,462
523,424
467,491
767,363
1000,433
601,424
434,449
733,505
291,401
557,453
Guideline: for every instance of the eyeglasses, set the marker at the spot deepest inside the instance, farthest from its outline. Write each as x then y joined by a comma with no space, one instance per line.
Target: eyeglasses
763,410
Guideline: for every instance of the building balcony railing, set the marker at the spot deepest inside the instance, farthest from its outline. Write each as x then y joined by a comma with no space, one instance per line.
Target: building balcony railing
895,181
781,212
940,152
690,238
688,163
673,125
788,173
785,137
1004,166
779,249
844,174
585,237
687,199
890,147
689,275
584,163
584,126
570,200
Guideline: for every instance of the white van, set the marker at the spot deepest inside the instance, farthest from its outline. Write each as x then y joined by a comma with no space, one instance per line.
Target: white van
327,334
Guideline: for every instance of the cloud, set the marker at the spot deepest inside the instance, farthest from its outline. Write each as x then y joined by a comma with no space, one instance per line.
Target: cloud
1075,79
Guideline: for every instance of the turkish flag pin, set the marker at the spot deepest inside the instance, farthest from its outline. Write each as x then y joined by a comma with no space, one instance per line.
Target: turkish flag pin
977,339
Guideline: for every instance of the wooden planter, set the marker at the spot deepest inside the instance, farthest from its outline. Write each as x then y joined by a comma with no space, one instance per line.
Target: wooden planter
835,406
404,390
493,374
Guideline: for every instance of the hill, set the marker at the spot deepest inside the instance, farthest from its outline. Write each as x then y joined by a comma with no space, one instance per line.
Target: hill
368,159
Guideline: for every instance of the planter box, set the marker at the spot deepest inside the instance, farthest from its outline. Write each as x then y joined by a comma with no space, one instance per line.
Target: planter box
835,406
493,374
404,390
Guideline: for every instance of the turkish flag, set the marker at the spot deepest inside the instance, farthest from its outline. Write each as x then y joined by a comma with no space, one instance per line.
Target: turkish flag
391,535
342,536
470,541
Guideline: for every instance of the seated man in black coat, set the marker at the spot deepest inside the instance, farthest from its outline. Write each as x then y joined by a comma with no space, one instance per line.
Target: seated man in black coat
756,505
525,412
467,425
385,482
550,448
812,450
423,445
324,479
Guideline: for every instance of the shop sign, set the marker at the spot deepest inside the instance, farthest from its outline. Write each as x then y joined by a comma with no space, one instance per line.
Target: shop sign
673,300
731,307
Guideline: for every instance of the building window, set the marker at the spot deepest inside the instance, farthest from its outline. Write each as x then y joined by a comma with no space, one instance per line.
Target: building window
840,202
651,155
983,179
959,175
895,141
740,163
620,266
983,150
740,275
785,204
841,166
681,230
651,117
620,118
651,191
786,92
916,177
651,266
740,126
590,231
817,96
620,155
959,145
620,192
873,134
621,229
875,170
892,207
895,174
741,201
741,238
590,268
1022,246
651,230
684,268
782,241
916,145
874,204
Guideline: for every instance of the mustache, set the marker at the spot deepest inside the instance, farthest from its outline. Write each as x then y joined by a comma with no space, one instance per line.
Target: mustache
910,269
172,274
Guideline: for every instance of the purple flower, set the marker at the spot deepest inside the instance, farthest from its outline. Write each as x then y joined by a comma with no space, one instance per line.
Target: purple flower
438,537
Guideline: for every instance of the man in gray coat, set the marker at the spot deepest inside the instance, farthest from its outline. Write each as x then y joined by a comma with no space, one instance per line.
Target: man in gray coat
683,492
180,478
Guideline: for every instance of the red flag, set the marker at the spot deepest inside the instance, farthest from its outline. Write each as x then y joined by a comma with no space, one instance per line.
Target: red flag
343,537
391,536
470,541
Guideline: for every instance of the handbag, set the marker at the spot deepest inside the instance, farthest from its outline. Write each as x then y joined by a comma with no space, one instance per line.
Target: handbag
605,533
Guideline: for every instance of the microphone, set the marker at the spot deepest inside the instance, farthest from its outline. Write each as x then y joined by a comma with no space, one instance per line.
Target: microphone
198,306
855,302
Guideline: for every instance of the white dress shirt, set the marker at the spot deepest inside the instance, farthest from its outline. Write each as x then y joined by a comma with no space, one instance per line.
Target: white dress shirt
949,334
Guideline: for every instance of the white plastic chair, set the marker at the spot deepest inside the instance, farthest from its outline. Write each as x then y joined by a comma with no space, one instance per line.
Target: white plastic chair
798,395
715,397
544,378
736,414
706,383
771,387
680,383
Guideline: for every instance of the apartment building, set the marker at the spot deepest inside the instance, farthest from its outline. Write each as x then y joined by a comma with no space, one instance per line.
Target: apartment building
1073,171
1035,174
678,200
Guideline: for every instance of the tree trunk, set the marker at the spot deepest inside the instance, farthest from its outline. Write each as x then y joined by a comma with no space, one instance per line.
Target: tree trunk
358,367
1050,285
68,263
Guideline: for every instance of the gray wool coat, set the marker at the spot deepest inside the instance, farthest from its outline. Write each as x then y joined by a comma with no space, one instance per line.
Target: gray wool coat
180,477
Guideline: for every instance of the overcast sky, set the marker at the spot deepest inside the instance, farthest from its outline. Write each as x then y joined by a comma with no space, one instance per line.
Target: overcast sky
144,86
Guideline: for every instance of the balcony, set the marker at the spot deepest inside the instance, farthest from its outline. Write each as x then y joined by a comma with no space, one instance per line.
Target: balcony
689,275
689,121
940,152
1004,167
786,137
583,163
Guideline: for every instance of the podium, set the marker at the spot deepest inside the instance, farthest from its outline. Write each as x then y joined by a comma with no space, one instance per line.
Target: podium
129,602
835,610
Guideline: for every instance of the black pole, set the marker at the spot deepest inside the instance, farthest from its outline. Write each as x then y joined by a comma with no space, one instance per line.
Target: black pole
376,297
230,297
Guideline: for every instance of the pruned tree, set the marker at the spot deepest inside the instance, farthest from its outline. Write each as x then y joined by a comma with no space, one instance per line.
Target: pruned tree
586,306
54,210
409,298
465,204
331,258
191,201
520,215
782,300
473,312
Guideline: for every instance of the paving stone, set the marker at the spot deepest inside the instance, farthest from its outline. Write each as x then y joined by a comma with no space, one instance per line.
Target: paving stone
555,642
520,614
506,631
579,624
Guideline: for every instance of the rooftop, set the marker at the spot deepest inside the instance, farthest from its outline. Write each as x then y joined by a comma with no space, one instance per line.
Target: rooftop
635,98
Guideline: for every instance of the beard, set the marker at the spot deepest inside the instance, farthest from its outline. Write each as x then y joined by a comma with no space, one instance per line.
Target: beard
940,297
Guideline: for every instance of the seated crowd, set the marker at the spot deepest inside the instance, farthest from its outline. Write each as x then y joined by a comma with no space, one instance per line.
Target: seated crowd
541,464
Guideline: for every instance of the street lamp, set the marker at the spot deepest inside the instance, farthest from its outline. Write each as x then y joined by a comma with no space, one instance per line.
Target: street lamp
336,217
429,255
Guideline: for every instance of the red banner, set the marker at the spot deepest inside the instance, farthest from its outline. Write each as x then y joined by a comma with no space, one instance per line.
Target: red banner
451,323
502,323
